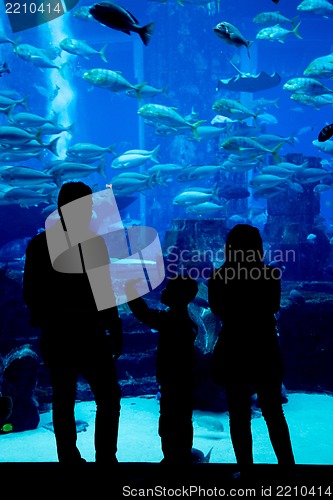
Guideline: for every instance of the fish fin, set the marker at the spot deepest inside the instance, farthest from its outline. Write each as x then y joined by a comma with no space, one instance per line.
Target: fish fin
146,33
102,53
126,31
295,31
131,16
165,89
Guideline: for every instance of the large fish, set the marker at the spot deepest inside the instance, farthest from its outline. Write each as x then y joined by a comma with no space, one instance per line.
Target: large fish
321,67
111,80
118,18
166,115
277,33
304,85
231,35
318,7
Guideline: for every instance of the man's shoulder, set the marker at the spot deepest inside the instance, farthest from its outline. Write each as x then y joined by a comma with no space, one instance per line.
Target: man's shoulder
37,241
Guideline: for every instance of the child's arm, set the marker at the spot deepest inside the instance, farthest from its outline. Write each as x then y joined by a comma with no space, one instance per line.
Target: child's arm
151,317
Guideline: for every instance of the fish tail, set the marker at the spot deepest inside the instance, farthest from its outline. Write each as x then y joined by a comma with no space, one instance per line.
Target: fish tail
152,181
165,89
71,128
9,112
138,89
24,102
294,19
194,127
146,33
275,150
62,68
102,53
276,102
295,30
53,146
101,168
155,154
291,140
248,45
111,149
38,137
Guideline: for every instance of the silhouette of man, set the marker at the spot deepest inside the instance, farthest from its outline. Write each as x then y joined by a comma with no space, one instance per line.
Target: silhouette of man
174,364
76,338
245,294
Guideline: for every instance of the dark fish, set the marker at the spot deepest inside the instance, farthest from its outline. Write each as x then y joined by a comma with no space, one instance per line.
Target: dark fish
118,18
4,68
231,35
233,192
276,1
326,133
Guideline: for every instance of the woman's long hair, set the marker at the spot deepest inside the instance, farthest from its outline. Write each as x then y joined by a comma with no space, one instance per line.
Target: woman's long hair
244,246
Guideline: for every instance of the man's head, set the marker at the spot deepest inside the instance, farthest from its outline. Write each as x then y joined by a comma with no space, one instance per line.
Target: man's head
80,213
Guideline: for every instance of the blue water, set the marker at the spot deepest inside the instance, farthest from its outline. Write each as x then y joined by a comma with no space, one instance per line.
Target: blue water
185,54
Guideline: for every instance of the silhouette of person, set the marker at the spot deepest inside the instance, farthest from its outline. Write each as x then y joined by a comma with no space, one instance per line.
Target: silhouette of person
245,294
174,364
76,338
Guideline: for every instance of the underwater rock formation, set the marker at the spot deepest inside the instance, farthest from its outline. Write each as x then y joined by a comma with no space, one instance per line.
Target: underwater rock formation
19,381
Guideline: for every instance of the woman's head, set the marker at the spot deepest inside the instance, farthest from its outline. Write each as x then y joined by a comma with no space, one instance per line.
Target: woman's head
244,245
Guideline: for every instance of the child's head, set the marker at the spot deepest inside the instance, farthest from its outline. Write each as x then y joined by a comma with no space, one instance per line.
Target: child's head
180,290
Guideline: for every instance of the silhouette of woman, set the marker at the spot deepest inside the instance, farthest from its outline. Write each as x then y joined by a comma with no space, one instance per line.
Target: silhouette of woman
245,294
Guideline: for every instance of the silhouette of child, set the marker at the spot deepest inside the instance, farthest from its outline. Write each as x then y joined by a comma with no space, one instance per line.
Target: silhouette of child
174,364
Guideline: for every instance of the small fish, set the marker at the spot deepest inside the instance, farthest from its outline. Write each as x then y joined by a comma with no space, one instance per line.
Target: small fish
326,133
273,18
81,48
296,297
83,13
118,18
231,35
4,68
277,33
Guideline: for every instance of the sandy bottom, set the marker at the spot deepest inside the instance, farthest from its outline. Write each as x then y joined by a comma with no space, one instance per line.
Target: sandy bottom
309,416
